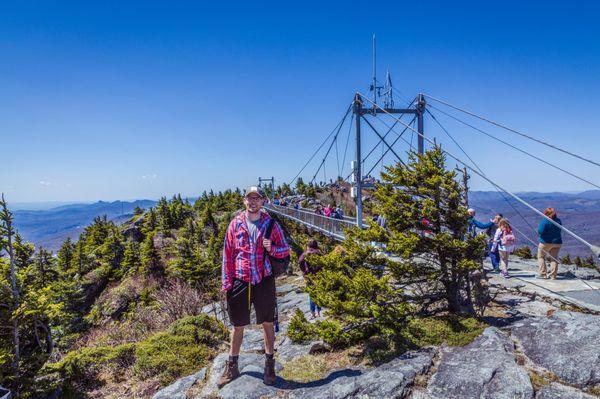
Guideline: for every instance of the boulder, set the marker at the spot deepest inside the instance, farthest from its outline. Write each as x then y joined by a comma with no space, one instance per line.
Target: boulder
390,380
249,385
558,391
566,344
485,368
178,389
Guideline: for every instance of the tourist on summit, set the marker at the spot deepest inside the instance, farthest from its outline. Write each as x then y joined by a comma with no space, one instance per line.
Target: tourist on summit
504,242
340,212
248,279
319,210
475,224
327,210
550,242
494,255
307,270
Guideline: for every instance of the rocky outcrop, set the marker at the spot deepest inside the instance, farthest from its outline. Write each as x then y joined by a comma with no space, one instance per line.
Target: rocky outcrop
391,380
178,390
565,344
558,391
485,368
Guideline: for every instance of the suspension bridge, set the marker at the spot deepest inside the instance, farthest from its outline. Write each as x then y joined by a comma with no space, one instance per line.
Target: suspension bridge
388,127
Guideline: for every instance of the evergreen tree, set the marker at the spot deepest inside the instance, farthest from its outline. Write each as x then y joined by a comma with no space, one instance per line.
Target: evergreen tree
150,259
65,255
131,257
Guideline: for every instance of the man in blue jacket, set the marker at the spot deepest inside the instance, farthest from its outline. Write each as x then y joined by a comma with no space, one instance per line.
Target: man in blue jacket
550,242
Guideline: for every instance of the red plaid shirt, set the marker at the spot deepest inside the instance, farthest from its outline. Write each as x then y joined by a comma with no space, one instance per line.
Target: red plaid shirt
246,260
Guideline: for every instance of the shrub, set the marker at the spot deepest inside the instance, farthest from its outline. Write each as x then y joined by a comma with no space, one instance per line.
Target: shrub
524,252
300,330
183,349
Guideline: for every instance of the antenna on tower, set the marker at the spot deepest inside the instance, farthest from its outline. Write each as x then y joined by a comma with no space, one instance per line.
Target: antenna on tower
388,95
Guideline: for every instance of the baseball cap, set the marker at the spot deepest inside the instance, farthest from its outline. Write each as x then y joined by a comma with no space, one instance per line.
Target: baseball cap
254,189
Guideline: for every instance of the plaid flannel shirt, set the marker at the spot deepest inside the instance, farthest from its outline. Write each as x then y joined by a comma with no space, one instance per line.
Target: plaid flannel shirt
246,260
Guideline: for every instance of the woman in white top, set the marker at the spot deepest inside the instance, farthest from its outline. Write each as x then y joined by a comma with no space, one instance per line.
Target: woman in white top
504,240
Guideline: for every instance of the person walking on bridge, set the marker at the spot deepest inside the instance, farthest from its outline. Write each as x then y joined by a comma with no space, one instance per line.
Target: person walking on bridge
248,279
550,242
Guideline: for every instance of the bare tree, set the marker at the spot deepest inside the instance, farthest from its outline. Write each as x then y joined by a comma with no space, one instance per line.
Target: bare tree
6,234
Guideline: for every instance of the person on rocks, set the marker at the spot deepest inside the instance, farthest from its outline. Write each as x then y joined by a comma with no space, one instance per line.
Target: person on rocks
494,255
307,270
550,237
247,279
504,242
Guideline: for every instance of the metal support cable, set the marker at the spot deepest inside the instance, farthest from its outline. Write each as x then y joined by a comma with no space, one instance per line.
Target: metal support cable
348,140
477,166
512,130
393,143
322,144
516,148
595,249
382,139
330,146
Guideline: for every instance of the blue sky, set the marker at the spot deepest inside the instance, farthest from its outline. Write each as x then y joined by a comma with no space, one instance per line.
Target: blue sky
111,101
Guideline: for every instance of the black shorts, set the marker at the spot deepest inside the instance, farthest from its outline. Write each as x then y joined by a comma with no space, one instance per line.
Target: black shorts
262,296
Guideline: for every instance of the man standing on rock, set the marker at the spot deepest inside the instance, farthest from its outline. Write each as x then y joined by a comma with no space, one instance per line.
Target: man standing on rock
248,279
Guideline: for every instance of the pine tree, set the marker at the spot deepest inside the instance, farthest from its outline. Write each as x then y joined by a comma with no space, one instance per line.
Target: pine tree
150,258
65,255
131,257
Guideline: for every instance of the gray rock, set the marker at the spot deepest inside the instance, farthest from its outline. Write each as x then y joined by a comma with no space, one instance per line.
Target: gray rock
178,389
391,380
565,343
253,340
583,273
485,368
287,350
285,288
558,391
251,368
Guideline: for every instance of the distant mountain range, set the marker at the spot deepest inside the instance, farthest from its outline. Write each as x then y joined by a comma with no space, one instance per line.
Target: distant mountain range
578,212
49,228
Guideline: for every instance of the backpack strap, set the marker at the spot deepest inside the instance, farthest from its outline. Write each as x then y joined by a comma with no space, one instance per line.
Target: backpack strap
269,228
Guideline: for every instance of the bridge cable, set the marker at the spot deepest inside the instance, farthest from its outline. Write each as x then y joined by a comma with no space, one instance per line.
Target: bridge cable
595,249
321,146
330,146
348,140
394,142
516,148
512,130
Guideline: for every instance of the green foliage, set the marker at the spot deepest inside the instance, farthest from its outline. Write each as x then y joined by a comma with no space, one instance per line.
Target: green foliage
524,252
299,329
451,330
566,260
183,349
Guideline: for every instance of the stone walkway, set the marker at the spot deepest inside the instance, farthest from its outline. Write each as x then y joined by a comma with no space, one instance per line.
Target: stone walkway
583,292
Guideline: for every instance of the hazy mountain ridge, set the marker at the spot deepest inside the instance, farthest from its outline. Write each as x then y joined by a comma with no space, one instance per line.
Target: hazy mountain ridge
49,228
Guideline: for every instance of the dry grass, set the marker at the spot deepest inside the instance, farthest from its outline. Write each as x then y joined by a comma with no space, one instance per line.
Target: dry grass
310,368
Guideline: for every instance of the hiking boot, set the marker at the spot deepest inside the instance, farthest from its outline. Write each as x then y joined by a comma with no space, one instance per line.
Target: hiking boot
230,373
269,377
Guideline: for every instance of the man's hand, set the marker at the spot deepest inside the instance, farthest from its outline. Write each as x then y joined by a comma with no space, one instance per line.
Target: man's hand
267,244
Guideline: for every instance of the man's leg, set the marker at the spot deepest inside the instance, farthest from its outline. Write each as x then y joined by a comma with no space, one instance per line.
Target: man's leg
237,336
269,337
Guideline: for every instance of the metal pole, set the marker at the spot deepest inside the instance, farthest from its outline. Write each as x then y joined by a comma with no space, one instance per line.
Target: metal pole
358,167
420,111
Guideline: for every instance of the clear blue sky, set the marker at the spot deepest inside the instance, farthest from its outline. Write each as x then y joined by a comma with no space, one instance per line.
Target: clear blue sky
111,101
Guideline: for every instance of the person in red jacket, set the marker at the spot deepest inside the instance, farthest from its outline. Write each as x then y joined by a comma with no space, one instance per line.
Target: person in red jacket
247,279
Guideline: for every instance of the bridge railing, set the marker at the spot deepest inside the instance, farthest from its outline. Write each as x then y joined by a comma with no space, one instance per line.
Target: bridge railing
326,225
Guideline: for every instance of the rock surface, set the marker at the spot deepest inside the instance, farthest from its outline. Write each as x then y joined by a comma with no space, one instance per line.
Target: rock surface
566,344
485,368
558,391
178,390
390,380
